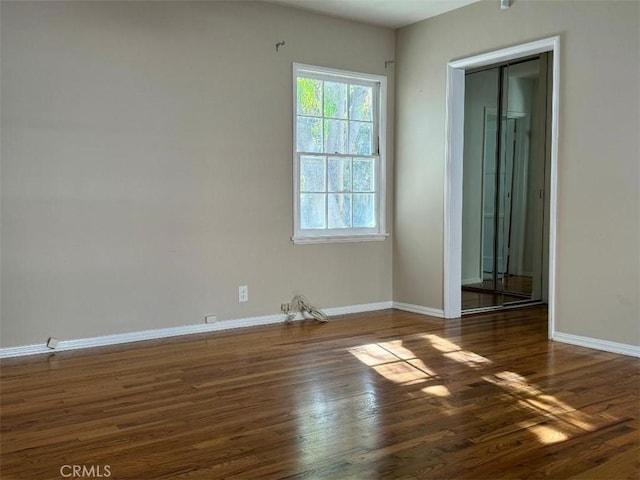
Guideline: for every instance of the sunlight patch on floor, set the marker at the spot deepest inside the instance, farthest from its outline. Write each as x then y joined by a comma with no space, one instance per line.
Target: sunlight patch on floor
437,391
440,343
372,354
402,373
419,364
456,352
547,434
394,362
396,347
567,421
549,419
513,382
470,359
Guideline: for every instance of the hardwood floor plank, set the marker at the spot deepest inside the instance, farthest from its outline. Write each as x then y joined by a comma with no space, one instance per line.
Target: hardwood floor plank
389,395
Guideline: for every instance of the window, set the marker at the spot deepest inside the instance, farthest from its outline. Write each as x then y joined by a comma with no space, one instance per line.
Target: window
338,148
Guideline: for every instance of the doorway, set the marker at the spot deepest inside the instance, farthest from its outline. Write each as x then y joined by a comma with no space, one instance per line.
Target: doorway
454,160
504,209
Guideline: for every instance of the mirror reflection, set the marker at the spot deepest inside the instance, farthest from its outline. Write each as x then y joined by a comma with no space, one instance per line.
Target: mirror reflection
504,196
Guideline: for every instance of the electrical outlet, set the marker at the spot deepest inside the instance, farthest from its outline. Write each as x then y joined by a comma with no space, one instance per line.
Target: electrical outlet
285,307
52,342
243,293
210,319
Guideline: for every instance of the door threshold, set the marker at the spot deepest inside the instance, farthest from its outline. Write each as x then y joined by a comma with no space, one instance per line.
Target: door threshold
508,306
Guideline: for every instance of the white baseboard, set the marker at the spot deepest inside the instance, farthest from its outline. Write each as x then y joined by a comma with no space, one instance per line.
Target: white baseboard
366,307
471,281
595,343
407,307
119,338
116,339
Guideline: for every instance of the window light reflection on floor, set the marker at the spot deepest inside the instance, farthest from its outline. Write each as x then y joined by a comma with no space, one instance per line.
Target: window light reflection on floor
437,391
399,364
557,421
547,434
551,420
402,373
394,362
419,364
456,352
372,354
396,348
324,424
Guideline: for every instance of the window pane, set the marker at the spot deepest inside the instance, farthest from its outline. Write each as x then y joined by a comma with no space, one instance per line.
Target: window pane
339,174
363,175
335,135
360,102
312,210
312,174
339,210
309,134
360,138
335,100
309,97
364,210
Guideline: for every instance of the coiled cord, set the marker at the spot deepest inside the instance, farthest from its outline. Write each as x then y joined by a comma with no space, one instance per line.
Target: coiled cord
301,304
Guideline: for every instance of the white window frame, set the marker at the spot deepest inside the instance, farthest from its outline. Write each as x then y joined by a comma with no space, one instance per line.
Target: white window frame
332,235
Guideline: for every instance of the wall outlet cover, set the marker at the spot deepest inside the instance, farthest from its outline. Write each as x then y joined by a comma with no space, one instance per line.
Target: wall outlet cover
243,293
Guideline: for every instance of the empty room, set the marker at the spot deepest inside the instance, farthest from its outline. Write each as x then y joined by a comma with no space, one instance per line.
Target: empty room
320,239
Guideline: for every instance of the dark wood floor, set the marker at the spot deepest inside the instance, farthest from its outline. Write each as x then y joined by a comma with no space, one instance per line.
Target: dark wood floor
386,395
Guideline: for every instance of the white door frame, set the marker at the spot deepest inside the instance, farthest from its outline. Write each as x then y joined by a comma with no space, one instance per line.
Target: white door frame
454,148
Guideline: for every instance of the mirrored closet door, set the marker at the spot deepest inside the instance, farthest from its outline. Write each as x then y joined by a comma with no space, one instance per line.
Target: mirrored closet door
504,194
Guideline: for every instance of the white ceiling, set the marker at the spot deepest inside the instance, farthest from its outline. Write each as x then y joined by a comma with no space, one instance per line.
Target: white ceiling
385,13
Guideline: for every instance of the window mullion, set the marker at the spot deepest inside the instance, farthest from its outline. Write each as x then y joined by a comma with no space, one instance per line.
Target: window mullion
323,120
337,155
375,127
348,119
351,188
326,191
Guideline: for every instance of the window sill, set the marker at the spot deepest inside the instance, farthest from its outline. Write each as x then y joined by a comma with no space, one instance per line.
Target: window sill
378,237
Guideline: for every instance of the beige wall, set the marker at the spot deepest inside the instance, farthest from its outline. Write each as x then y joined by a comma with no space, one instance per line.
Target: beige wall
146,165
146,162
598,264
